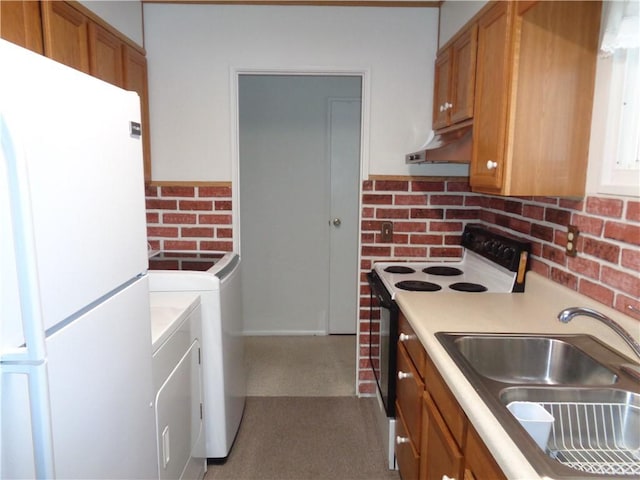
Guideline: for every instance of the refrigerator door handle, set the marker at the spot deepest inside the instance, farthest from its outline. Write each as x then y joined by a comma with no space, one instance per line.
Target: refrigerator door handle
29,293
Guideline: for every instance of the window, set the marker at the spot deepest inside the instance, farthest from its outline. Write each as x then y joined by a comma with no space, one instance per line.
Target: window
620,47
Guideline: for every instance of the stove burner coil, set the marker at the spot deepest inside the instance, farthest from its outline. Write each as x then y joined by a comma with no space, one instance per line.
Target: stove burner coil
467,287
442,271
418,286
399,269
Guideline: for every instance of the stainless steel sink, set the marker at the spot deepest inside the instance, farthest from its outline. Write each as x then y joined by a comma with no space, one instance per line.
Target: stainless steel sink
576,378
527,359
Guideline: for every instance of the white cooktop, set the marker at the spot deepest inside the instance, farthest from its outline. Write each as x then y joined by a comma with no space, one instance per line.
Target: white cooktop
475,269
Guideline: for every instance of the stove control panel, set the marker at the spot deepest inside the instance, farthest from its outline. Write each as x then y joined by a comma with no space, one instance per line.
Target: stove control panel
500,249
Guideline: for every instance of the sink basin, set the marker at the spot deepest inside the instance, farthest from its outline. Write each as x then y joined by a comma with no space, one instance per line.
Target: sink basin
530,359
594,430
576,378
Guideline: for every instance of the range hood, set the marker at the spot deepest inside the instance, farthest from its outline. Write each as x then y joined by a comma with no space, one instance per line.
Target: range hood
450,146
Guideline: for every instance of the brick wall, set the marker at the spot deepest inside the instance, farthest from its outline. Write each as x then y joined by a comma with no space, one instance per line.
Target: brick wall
428,220
428,217
190,217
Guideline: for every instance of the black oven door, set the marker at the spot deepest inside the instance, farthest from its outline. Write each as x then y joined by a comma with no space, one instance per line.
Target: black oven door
383,338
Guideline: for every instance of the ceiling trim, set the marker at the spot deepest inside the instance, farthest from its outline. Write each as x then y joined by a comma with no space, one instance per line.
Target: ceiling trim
318,3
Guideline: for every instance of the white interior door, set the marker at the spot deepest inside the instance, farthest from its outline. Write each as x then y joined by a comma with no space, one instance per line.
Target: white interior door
344,151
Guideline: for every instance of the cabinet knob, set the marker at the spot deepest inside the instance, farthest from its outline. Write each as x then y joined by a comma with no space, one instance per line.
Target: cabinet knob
404,337
447,477
448,106
491,164
442,108
402,375
400,440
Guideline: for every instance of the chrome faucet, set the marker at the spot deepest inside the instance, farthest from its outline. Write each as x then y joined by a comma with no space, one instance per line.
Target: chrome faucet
566,315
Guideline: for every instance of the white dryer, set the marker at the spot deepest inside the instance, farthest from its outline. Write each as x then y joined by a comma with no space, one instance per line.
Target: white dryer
177,379
216,278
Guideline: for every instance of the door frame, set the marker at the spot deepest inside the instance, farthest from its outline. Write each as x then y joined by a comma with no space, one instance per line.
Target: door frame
234,150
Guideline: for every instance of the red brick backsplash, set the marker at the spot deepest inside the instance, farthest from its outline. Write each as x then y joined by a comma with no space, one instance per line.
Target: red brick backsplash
429,216
606,267
186,217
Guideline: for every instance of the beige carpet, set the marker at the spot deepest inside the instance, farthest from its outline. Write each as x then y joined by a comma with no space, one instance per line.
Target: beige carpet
302,420
306,438
321,366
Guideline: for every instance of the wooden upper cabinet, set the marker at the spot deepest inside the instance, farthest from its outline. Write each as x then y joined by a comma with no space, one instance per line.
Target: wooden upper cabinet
105,55
441,87
455,80
21,23
492,82
463,75
534,95
65,35
135,78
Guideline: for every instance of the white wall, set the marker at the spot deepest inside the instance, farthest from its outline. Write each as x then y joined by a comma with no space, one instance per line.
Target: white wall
124,15
194,50
453,16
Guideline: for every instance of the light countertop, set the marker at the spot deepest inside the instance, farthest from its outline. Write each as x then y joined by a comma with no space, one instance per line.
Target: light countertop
168,310
534,311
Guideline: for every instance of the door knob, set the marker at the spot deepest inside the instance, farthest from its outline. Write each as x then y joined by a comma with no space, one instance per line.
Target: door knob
337,222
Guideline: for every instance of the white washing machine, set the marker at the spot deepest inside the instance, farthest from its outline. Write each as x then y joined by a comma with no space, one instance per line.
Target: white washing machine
177,379
216,278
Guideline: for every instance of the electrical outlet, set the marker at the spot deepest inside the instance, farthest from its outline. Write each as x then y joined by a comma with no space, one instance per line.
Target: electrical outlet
386,232
572,240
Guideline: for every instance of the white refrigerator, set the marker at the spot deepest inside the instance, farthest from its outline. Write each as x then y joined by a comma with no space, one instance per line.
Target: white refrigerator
76,391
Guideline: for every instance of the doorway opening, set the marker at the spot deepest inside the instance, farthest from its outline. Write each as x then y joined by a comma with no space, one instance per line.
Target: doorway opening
299,149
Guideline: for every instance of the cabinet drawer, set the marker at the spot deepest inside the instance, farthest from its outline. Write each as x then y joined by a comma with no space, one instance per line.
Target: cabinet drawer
408,393
440,455
408,338
446,403
406,452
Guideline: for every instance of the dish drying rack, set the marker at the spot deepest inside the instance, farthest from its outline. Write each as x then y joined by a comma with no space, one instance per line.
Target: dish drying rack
595,437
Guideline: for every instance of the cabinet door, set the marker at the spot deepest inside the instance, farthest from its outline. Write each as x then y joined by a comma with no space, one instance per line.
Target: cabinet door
20,23
441,90
135,78
491,98
479,461
440,454
463,75
551,124
105,55
446,402
65,35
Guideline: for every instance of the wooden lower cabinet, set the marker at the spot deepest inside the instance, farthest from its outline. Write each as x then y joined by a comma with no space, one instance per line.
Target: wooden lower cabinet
409,389
440,453
407,455
479,463
434,438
